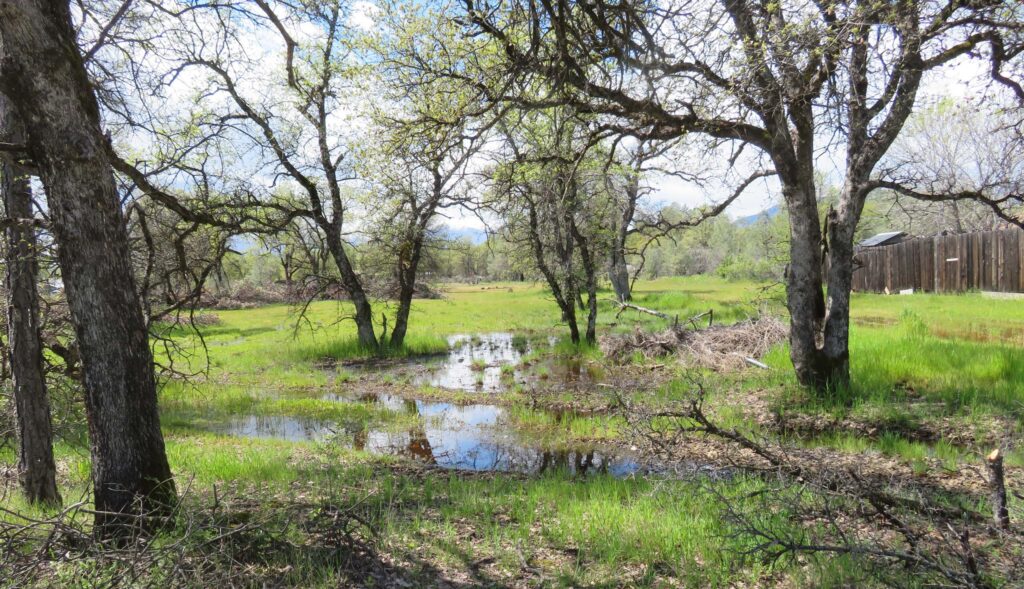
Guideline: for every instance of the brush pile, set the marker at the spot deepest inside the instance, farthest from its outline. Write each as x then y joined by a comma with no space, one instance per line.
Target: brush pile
721,348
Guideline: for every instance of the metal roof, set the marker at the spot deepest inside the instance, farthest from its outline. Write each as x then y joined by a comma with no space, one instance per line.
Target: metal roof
881,238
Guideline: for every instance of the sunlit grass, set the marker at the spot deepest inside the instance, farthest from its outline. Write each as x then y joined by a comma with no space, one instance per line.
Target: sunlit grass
608,523
908,364
562,429
349,348
914,359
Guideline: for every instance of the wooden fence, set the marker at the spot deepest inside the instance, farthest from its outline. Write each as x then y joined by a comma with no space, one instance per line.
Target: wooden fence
986,260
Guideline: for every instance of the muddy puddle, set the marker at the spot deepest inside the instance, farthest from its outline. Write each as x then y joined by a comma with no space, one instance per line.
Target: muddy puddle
463,437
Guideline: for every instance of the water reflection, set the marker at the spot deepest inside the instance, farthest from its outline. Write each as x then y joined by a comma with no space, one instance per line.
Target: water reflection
274,426
467,437
487,363
474,363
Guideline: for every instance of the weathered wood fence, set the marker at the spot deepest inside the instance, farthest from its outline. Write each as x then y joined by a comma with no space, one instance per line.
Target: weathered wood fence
985,260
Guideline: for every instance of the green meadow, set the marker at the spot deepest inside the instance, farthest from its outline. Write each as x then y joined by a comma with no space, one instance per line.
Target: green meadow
937,381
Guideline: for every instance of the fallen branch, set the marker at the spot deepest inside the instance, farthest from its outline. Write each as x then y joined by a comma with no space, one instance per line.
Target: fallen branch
756,363
710,314
624,306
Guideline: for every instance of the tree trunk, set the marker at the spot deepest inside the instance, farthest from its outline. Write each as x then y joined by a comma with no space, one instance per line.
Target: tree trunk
590,269
618,274
570,318
350,280
43,75
36,468
841,225
566,301
592,313
804,297
407,289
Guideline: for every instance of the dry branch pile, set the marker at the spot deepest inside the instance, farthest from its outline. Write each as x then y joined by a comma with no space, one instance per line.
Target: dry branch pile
722,347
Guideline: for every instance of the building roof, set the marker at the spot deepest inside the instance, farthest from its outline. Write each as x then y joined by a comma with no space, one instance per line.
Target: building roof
882,239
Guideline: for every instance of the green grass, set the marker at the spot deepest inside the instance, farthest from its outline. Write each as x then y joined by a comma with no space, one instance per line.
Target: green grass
615,523
564,429
917,361
253,343
906,365
348,349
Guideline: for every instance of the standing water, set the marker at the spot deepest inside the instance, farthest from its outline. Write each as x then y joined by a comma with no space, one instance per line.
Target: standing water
467,437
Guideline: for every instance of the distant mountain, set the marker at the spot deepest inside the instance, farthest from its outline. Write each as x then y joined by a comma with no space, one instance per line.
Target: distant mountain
765,214
474,235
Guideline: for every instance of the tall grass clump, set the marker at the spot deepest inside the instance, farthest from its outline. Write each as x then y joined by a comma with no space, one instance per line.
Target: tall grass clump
349,348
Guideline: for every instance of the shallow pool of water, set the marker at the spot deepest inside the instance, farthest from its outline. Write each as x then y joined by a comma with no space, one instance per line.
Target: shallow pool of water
487,363
474,363
463,437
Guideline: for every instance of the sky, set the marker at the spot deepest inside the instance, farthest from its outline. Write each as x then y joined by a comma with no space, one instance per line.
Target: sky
958,81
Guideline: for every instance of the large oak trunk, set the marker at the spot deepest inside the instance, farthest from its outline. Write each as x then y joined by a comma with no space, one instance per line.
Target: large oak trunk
36,468
820,329
805,298
43,75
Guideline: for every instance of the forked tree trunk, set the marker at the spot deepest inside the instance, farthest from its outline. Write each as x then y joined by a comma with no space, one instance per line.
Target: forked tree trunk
36,468
820,329
805,299
43,75
566,301
618,274
590,269
407,270
350,280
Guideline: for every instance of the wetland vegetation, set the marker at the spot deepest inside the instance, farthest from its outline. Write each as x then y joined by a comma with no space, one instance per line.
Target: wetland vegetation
533,474
431,293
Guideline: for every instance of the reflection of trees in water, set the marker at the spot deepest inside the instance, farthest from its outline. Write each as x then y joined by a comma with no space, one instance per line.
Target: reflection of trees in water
476,450
573,369
359,438
272,426
419,447
579,463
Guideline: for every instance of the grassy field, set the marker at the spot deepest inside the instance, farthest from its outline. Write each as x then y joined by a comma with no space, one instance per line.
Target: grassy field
937,381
